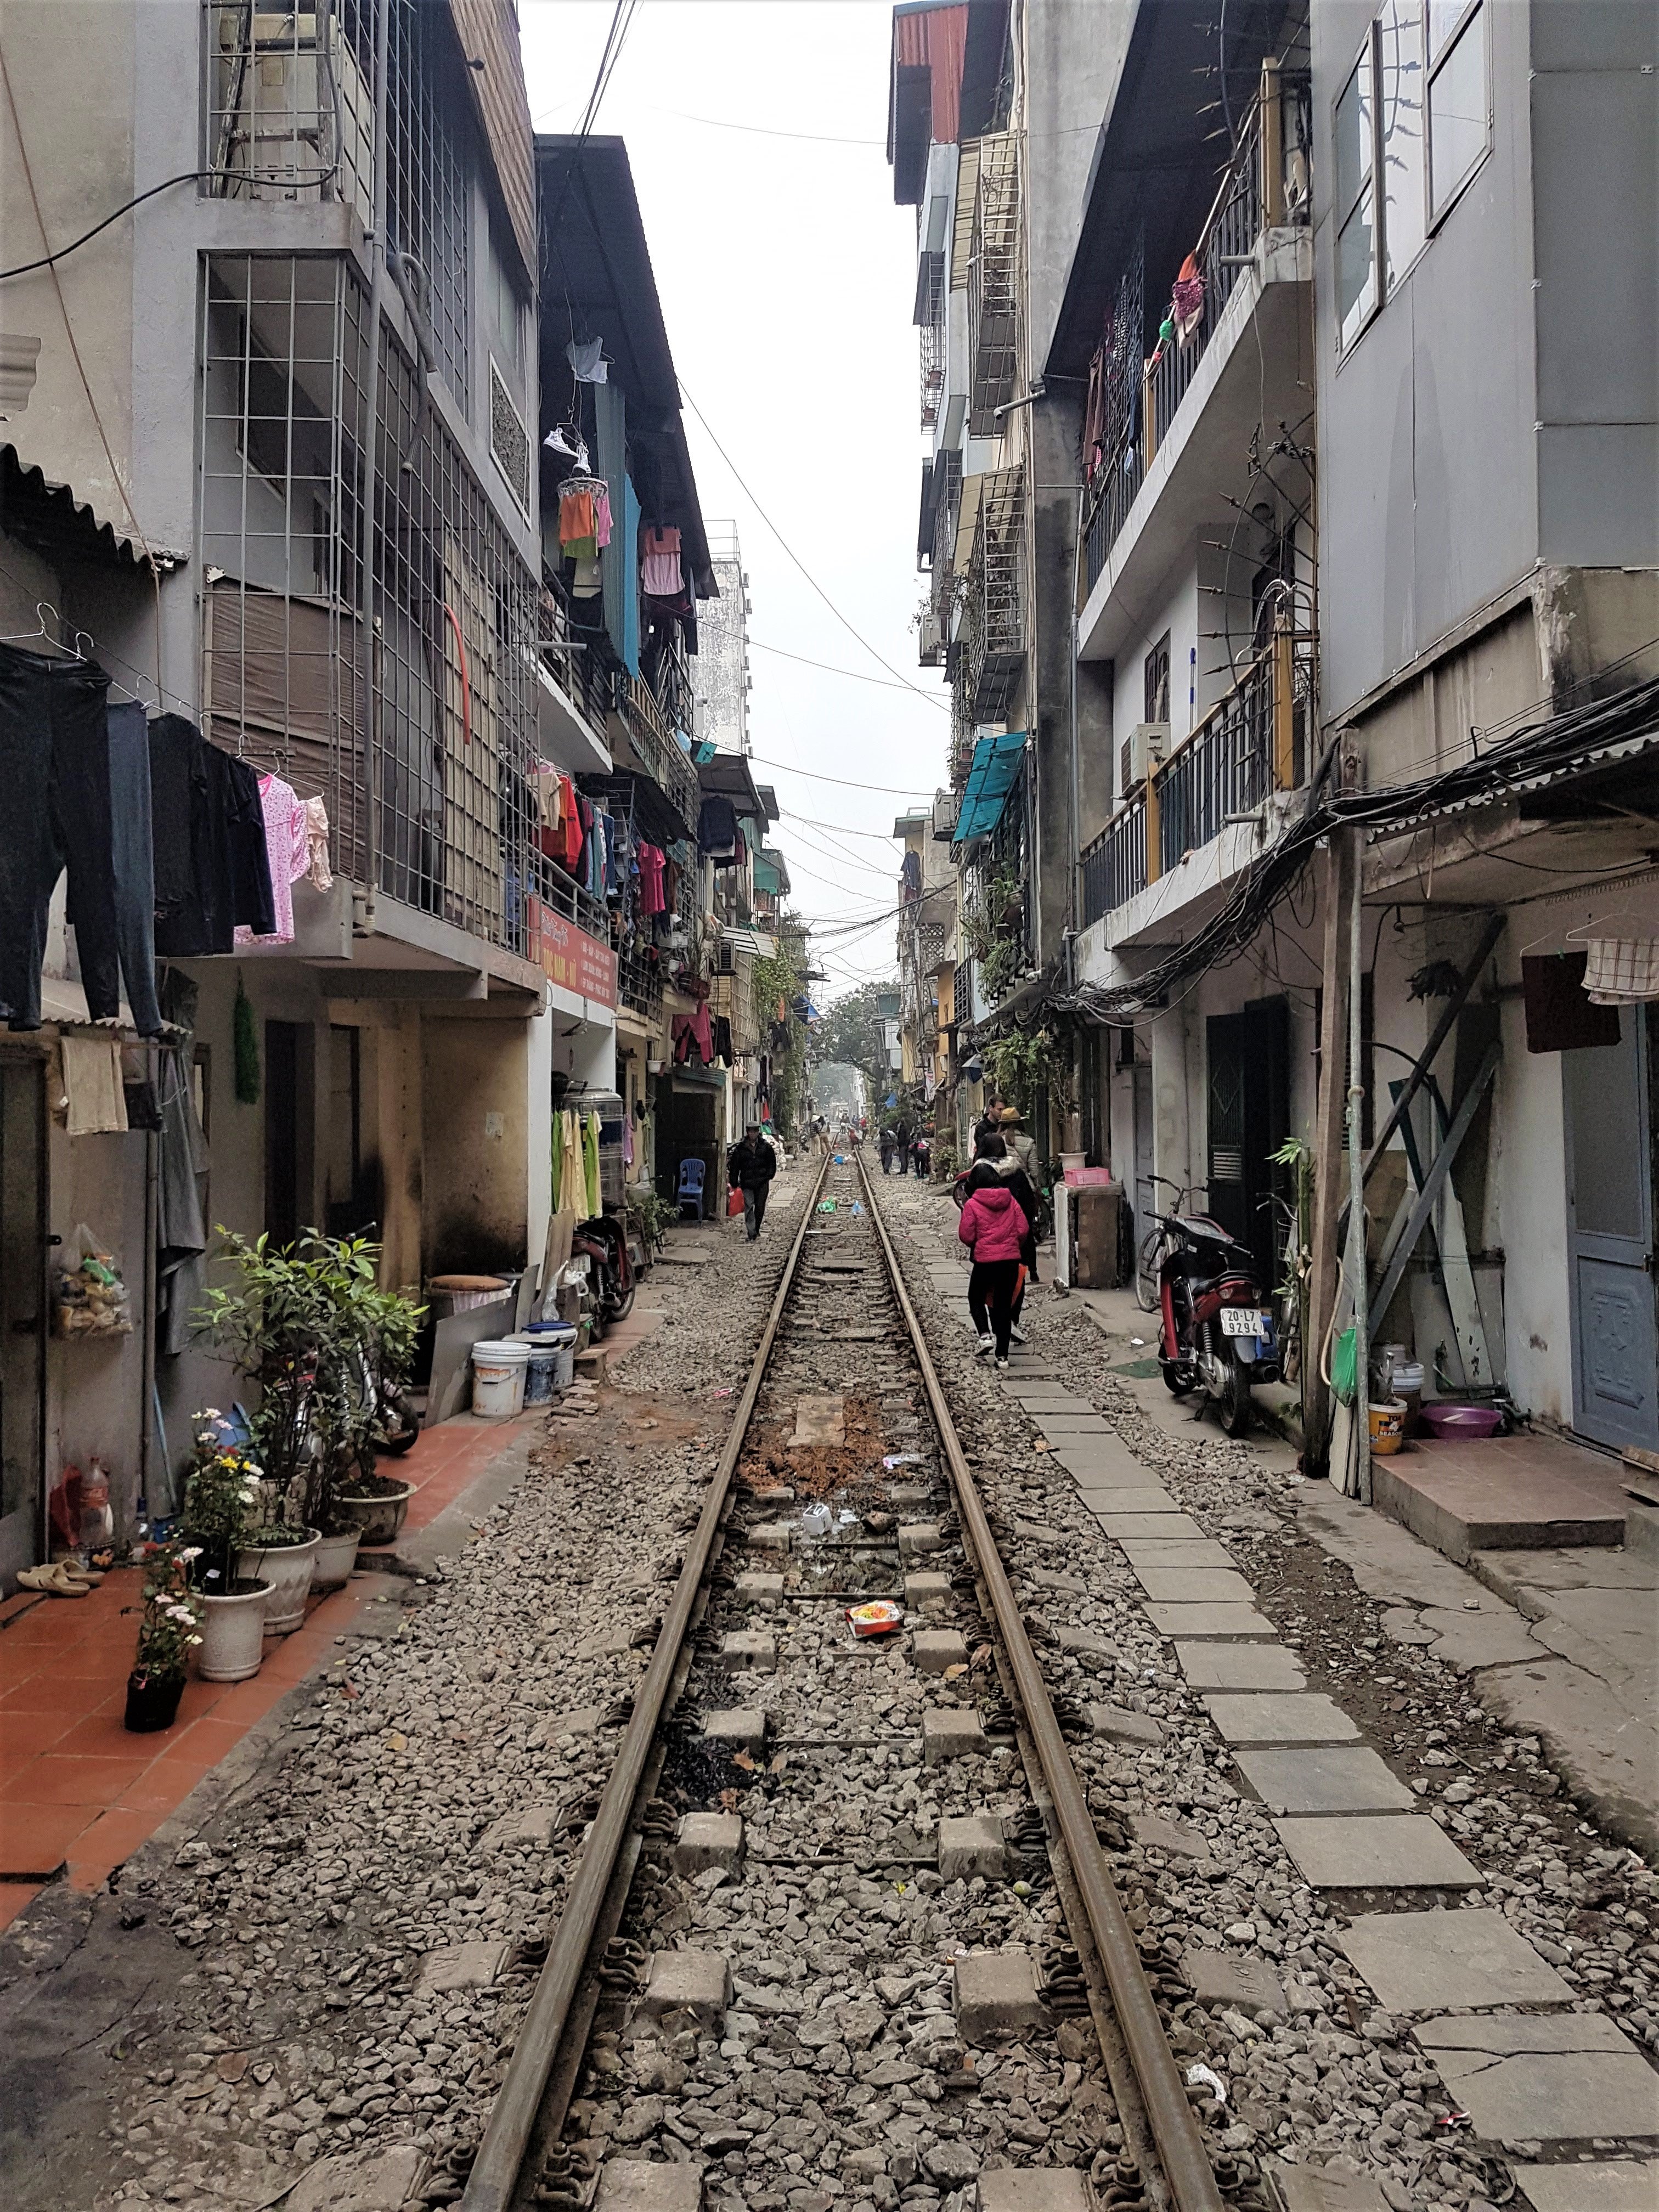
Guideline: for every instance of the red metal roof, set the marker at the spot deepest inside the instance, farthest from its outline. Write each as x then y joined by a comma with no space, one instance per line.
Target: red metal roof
936,38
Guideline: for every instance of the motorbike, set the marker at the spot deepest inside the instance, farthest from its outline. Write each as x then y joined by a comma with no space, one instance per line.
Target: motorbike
1216,1332
611,1275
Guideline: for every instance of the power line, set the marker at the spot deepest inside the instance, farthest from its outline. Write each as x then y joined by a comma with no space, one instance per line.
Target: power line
847,782
882,682
881,836
800,564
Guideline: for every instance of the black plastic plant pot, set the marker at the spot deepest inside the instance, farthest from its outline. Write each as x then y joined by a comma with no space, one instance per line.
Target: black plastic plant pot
153,1702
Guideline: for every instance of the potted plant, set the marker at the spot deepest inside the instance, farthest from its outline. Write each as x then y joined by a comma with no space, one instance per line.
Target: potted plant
309,1324
168,1631
223,1483
387,1326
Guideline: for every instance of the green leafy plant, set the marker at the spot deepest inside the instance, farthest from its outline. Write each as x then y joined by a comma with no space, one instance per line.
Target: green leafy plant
653,1214
309,1324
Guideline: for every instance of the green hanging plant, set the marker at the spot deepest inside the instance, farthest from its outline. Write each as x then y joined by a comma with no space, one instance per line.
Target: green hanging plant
245,1047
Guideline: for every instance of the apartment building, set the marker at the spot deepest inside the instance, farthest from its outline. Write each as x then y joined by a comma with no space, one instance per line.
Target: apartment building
992,115
1361,615
288,442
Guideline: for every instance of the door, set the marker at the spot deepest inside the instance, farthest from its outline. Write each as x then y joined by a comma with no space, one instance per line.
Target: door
22,1315
1616,1360
1248,1110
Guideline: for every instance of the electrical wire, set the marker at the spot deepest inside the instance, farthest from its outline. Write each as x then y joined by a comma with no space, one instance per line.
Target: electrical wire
940,704
847,782
882,682
1559,744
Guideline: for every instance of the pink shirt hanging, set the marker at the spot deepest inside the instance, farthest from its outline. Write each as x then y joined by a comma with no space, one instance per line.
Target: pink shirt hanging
287,847
662,564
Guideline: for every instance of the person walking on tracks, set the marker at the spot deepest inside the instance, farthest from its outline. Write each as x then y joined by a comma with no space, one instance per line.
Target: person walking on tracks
995,1167
749,1167
886,1144
992,1224
901,1139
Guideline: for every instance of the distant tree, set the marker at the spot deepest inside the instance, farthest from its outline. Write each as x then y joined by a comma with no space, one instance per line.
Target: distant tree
851,1030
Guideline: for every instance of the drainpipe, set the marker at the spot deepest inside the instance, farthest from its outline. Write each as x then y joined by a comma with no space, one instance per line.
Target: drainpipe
363,924
1356,1191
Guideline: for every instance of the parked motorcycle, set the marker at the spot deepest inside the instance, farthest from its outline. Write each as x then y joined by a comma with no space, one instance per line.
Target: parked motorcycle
604,1243
1217,1332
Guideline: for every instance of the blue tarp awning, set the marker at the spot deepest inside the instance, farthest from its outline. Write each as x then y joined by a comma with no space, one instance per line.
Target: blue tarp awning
990,779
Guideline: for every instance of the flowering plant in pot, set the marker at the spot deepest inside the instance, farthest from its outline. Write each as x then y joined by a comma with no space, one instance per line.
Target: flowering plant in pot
168,1631
222,1485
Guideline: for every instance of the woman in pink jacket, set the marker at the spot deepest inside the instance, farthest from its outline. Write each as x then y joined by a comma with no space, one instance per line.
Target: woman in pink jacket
992,1223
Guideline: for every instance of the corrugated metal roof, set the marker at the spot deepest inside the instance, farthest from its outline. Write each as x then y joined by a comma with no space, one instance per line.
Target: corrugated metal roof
1513,787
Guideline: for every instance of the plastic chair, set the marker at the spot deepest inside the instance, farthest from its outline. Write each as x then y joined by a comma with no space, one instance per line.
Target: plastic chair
690,1187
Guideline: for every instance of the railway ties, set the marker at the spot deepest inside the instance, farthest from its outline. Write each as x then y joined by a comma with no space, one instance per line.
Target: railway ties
842,1937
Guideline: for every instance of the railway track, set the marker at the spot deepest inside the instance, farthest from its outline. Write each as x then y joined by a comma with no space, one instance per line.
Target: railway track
984,1998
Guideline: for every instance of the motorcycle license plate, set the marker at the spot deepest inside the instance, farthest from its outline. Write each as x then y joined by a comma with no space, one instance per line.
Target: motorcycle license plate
1245,1321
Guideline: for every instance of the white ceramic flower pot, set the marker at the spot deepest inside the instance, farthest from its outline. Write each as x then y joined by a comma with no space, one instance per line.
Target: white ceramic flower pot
233,1635
288,1571
335,1558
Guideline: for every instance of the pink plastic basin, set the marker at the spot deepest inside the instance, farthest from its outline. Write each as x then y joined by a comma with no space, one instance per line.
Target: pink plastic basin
1461,1421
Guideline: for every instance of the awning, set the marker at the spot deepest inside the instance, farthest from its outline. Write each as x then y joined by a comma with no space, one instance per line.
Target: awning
750,940
996,763
727,775
653,815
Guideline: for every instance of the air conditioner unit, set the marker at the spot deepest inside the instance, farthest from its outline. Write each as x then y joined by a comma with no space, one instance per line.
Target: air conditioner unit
1145,748
933,638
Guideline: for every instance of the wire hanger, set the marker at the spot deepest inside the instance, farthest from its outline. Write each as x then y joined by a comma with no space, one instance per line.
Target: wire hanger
1580,935
42,609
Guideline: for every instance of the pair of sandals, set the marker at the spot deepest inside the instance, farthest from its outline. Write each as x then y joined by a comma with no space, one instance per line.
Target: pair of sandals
64,1578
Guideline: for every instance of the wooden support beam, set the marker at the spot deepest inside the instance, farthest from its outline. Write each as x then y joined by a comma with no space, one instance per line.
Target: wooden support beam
1392,1264
1337,889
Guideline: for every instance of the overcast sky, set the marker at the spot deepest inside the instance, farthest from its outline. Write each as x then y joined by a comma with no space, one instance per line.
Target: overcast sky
756,130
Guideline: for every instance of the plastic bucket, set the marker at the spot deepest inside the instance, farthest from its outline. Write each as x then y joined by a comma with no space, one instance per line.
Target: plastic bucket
538,1374
498,1377
1387,1428
555,1342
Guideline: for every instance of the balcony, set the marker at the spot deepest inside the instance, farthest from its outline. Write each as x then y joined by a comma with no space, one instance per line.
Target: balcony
639,977
646,728
992,639
1252,743
1207,397
994,284
572,691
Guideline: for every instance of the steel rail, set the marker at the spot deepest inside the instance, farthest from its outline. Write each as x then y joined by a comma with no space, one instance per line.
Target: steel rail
1175,2130
495,2176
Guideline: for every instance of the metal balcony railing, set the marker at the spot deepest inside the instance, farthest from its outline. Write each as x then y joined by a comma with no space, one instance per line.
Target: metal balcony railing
653,743
571,659
993,628
1253,741
993,282
1255,195
639,977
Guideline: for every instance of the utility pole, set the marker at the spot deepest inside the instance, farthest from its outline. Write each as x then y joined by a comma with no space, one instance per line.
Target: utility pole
1338,891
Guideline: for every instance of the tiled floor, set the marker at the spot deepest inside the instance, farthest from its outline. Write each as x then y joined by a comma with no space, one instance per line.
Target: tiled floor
77,1793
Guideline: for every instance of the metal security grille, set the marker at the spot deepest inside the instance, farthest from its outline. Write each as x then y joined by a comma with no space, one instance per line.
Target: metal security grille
282,437
427,196
290,102
995,625
459,610
931,283
993,282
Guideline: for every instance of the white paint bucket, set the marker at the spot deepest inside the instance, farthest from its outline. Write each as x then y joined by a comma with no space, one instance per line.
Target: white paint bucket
498,1378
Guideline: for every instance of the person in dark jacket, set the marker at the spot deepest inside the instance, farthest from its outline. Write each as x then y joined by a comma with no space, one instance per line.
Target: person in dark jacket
749,1167
901,1139
885,1141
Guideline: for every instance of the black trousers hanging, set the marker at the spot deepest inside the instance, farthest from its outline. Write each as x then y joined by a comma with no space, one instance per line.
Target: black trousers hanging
54,773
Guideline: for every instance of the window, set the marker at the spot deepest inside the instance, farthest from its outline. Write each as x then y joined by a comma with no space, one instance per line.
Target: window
1157,681
1457,98
1400,130
1394,179
506,313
